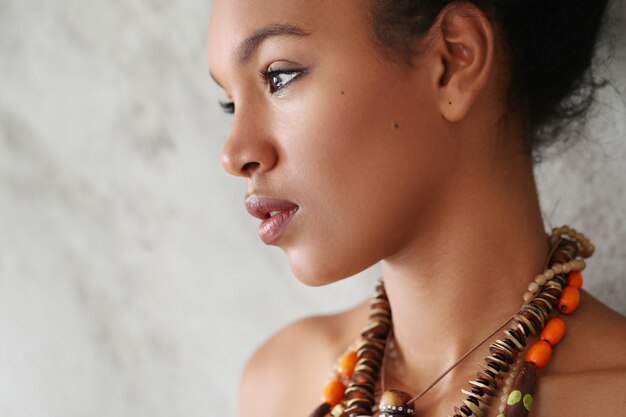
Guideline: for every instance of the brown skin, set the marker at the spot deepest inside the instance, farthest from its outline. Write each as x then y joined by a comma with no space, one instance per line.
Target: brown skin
412,166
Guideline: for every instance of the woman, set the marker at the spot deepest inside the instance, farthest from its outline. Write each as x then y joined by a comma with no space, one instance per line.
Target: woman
404,132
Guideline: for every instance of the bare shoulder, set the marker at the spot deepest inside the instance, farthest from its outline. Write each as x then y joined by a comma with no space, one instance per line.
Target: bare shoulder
286,374
587,374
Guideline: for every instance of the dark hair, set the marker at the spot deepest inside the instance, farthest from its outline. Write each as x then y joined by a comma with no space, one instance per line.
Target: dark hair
551,46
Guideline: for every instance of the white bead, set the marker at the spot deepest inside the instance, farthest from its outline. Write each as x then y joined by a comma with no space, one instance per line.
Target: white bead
540,279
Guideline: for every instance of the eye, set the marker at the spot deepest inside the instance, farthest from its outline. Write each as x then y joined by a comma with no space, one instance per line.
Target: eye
227,106
278,79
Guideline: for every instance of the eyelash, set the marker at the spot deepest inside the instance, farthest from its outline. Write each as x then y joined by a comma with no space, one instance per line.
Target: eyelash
266,76
227,106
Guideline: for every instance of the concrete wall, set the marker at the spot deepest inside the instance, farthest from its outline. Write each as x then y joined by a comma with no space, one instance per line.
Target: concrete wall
132,282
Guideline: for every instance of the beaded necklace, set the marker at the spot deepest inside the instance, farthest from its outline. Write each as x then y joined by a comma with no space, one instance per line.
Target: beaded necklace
351,391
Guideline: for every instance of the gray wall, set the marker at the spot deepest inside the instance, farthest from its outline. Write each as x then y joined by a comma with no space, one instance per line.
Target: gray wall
132,282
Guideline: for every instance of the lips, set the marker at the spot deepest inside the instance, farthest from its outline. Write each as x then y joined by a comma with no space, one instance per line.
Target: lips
275,215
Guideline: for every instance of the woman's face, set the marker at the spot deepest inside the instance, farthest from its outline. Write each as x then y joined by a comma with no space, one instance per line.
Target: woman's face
352,139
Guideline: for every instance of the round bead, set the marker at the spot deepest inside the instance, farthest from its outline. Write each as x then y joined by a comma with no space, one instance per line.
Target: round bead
575,279
570,298
395,402
533,287
591,248
347,364
554,331
528,296
540,279
549,274
558,268
539,353
333,392
567,267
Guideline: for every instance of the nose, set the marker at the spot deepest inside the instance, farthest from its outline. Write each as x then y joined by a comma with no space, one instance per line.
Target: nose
249,149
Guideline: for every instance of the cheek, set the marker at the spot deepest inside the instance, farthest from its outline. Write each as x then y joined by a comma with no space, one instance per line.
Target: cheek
363,163
350,141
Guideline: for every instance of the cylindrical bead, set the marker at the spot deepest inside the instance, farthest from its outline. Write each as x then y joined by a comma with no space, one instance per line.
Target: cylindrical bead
539,353
333,392
520,399
575,279
347,364
554,331
570,298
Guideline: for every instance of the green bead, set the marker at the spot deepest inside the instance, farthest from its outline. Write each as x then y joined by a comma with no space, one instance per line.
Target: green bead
528,401
514,397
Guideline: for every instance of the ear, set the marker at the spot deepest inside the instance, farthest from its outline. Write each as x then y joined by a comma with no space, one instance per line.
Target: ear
463,45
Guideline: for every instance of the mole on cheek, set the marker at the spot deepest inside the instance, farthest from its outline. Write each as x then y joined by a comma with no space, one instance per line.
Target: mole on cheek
342,93
395,125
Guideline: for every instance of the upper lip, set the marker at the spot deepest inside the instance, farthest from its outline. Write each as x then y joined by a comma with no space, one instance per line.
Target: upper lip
262,207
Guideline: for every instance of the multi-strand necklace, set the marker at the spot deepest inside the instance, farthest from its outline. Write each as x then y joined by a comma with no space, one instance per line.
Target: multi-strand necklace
351,392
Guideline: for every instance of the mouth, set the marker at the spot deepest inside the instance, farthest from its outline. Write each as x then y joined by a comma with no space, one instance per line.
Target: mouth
275,215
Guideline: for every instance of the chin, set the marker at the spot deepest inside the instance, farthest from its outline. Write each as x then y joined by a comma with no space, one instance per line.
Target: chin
317,271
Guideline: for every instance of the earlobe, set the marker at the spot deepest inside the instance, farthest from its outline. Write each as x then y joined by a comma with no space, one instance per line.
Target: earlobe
464,47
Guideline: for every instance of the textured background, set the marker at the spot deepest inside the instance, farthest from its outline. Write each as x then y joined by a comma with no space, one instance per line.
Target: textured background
132,282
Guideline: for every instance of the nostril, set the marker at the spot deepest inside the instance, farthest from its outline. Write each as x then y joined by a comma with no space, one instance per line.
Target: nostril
250,166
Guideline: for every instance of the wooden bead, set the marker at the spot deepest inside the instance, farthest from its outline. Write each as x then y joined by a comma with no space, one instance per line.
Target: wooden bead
575,279
539,353
570,298
321,411
520,399
528,296
554,331
541,279
333,392
394,403
347,364
337,410
533,287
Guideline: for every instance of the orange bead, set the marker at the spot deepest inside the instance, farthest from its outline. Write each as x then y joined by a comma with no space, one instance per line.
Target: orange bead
539,353
333,392
347,364
554,331
575,279
570,298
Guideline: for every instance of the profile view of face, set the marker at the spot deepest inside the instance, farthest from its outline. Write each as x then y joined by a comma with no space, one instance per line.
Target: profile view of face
338,143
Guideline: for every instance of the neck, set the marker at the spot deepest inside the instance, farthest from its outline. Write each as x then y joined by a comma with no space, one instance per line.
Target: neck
466,271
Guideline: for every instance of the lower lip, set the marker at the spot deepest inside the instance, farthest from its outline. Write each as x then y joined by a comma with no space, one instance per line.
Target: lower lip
273,227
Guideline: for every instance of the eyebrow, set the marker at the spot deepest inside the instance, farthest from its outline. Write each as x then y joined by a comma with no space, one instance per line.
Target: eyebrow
248,48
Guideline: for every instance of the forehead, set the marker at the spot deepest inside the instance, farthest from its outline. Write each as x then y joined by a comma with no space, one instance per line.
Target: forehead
232,21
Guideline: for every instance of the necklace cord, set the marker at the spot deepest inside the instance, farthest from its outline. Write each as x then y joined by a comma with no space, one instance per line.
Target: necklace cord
469,352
